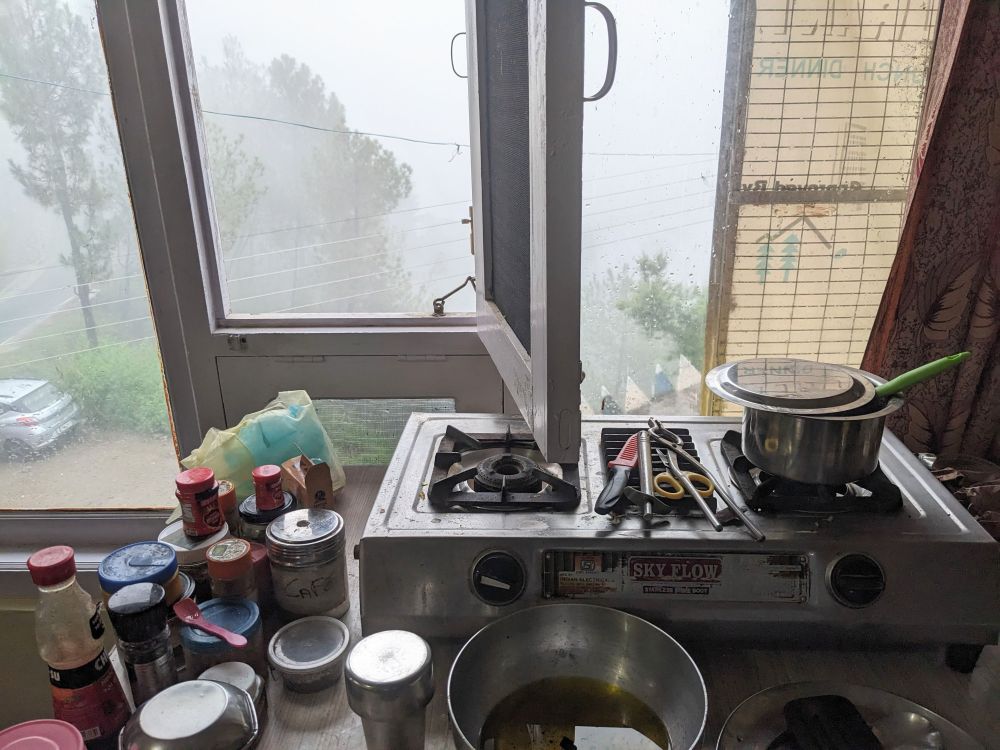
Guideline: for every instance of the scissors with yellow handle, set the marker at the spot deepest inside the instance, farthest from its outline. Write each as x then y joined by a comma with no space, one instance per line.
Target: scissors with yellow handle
667,485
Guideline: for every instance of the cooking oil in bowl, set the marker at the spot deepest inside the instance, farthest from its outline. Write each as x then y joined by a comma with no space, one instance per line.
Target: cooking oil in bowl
573,713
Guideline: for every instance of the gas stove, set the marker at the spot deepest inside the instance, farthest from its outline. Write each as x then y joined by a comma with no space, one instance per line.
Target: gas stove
452,544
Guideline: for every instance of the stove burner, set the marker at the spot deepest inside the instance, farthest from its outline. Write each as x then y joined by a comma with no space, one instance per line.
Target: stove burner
766,493
498,473
507,471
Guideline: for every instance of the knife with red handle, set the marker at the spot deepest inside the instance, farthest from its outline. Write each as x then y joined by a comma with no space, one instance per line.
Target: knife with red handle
620,468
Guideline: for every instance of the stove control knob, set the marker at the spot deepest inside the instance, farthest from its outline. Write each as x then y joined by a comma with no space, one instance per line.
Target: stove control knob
498,578
856,580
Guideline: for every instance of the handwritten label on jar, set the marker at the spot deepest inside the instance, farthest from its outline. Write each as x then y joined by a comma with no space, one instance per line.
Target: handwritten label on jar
305,588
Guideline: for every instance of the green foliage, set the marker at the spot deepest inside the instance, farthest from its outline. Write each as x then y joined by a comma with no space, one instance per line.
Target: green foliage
119,387
667,308
236,186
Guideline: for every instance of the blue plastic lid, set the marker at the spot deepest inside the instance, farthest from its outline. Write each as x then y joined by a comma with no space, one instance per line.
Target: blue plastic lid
142,562
237,615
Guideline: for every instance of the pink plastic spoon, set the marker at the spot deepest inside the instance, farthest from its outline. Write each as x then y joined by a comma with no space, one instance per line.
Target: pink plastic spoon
189,613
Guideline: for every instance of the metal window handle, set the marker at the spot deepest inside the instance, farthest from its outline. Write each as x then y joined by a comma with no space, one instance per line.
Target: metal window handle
452,53
609,76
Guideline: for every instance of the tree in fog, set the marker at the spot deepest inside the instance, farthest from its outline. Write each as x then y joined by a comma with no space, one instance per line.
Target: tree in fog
327,192
63,131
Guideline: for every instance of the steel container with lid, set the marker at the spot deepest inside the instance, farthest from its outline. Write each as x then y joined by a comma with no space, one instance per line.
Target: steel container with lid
197,714
811,422
306,549
243,676
389,678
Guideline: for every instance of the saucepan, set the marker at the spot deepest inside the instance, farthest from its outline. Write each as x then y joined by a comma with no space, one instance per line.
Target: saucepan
814,422
556,643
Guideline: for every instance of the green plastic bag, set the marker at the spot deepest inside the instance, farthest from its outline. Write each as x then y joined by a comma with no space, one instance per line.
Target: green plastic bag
286,427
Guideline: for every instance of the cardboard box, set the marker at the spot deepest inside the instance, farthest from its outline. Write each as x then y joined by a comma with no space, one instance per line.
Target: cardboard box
309,483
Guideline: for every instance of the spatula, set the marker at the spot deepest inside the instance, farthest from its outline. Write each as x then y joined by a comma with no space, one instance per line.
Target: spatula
189,614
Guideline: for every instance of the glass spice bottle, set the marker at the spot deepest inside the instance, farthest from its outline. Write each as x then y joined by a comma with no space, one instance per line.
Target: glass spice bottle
69,631
230,566
139,614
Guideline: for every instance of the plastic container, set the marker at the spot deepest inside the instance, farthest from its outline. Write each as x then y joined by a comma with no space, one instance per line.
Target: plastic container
230,566
254,521
268,494
43,734
309,653
241,675
70,635
191,555
174,622
203,650
141,562
262,574
308,563
198,495
139,615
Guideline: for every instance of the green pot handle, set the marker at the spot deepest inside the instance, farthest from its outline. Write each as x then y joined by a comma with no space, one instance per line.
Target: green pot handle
919,374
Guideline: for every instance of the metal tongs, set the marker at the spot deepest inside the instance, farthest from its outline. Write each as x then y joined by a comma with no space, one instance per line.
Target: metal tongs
672,443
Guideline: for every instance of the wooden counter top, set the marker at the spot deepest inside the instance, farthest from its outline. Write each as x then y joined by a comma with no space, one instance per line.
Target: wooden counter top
324,720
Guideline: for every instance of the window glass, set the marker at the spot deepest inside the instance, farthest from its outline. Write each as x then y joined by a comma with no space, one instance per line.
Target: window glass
649,168
83,419
337,152
785,254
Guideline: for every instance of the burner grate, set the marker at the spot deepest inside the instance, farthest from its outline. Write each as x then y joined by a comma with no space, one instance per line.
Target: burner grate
766,493
613,438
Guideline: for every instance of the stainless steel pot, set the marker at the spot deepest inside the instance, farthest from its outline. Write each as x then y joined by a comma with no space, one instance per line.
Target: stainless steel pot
806,421
576,640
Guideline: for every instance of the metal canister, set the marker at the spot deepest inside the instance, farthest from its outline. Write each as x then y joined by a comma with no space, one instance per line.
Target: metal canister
389,678
306,549
198,494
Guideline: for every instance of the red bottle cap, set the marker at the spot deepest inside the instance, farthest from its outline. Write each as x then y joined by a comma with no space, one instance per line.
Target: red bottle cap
267,487
195,480
52,565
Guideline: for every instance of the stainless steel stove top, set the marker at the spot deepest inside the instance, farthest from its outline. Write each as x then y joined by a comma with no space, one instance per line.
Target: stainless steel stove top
926,573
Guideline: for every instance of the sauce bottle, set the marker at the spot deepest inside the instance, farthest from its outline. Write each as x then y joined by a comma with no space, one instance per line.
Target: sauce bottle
69,631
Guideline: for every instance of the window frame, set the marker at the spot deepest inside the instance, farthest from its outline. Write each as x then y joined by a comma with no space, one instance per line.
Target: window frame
150,66
545,384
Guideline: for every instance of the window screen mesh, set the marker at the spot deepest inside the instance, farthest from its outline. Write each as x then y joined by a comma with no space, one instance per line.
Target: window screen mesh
366,430
504,77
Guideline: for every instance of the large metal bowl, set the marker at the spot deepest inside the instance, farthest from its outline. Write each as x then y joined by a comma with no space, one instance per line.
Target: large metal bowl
576,640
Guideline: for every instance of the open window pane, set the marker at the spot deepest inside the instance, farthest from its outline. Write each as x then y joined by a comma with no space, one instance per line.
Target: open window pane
831,102
651,151
337,145
83,419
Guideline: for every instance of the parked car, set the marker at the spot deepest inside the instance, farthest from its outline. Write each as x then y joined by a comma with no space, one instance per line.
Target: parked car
34,414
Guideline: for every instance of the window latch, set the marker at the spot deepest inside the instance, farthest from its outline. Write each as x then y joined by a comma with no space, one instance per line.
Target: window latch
439,302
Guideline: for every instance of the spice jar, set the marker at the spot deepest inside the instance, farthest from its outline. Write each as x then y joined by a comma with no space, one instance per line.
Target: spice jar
308,567
229,506
254,521
267,487
230,566
198,495
191,556
142,562
139,615
203,650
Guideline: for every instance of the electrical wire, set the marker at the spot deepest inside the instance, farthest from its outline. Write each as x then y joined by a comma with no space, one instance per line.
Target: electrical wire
349,278
700,178
78,351
73,309
344,260
647,234
588,214
67,286
19,342
651,218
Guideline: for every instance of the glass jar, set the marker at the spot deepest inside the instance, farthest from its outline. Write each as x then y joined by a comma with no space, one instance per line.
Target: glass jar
138,613
230,565
142,562
254,521
174,622
308,565
203,650
191,556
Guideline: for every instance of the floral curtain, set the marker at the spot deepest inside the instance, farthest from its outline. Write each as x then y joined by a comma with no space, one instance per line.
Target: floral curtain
943,293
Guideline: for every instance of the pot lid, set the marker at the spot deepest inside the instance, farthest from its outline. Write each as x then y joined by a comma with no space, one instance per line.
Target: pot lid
791,385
